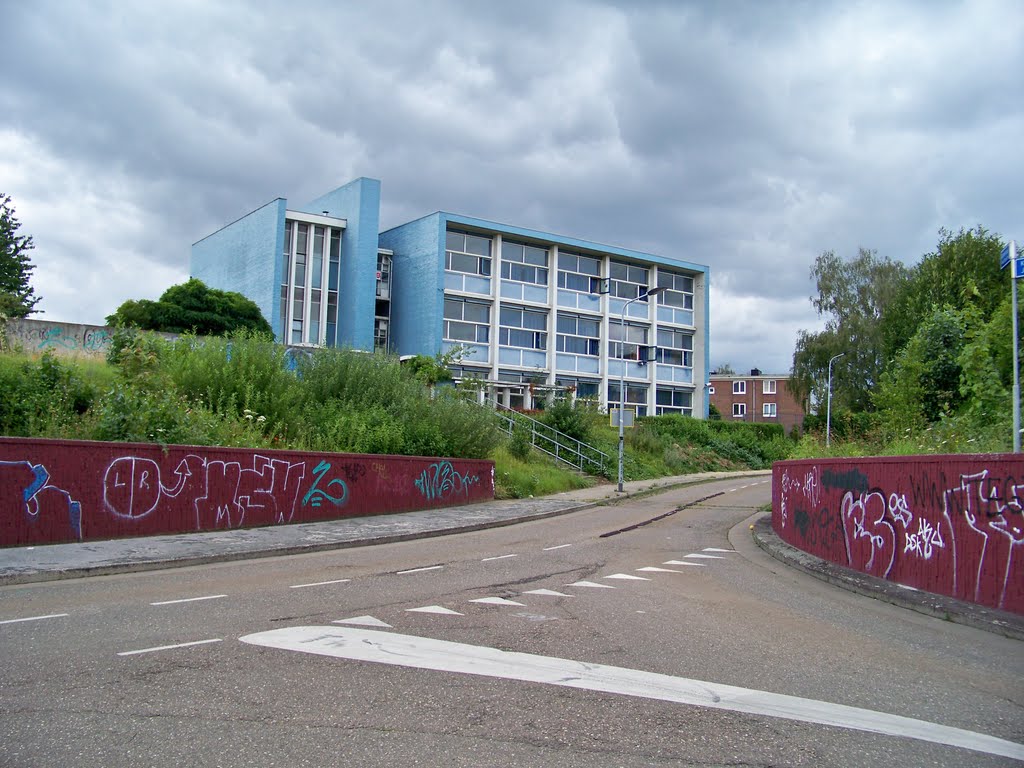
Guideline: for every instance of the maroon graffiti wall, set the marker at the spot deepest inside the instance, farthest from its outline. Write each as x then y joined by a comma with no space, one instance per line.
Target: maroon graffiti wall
57,491
946,524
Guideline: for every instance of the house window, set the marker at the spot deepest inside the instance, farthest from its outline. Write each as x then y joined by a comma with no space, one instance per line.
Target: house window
588,388
768,410
466,320
636,395
624,342
523,328
739,387
578,273
739,409
470,254
768,386
675,348
678,290
579,335
310,262
711,390
628,281
669,401
524,263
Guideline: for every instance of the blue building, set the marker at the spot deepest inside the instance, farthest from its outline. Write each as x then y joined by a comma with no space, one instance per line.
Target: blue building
529,313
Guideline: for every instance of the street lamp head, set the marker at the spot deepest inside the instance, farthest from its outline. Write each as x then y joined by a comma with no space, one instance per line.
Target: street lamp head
654,291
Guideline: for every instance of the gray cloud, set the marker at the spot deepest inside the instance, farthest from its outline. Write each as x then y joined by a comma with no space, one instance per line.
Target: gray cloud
749,136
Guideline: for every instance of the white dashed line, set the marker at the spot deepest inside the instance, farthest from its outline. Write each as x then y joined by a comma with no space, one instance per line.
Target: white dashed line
421,570
438,609
652,569
560,546
364,621
34,618
189,600
590,584
499,557
546,592
698,556
319,583
168,647
496,601
716,549
625,577
683,562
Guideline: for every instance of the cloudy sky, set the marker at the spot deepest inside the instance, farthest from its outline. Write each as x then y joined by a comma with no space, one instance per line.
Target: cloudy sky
748,136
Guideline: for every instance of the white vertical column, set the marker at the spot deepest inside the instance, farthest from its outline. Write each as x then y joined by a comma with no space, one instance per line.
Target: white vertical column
495,303
652,341
552,310
605,333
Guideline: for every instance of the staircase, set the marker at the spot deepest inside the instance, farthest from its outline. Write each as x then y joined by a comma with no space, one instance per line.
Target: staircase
558,445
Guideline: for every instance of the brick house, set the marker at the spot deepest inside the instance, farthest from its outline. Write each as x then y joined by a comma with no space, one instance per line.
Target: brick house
757,398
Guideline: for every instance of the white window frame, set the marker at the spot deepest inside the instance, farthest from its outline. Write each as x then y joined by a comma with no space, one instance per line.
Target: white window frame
484,264
563,339
508,332
739,387
482,330
522,263
769,410
768,387
565,276
739,410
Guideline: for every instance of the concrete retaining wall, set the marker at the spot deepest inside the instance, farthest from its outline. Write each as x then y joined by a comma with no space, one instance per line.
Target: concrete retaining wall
952,525
58,491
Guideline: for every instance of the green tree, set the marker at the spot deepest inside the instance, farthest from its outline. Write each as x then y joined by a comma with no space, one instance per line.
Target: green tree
17,297
853,297
192,306
962,271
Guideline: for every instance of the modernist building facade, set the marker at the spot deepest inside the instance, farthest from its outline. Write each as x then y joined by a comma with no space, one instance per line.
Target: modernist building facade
766,398
527,313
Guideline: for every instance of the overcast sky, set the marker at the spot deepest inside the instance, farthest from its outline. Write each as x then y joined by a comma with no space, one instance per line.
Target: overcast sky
748,136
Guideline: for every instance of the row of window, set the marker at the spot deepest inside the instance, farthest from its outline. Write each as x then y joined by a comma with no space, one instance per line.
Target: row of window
767,387
768,410
311,263
469,321
471,254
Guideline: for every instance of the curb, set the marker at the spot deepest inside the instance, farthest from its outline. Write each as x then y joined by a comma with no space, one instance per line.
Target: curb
938,606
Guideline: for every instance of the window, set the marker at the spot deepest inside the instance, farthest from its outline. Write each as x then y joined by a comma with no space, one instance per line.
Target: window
578,273
739,409
310,266
668,401
588,388
768,386
678,289
524,263
524,328
739,387
467,253
636,395
380,333
627,348
768,410
674,347
466,320
578,335
627,280
711,390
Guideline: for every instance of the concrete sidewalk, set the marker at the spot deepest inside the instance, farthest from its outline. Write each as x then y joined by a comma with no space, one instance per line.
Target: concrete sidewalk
20,565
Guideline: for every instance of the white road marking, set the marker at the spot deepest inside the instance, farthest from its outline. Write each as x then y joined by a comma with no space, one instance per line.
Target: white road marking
652,569
732,490
421,570
319,583
683,562
438,609
626,577
168,647
189,600
590,584
499,557
698,556
34,618
548,592
363,621
444,656
560,546
716,549
496,601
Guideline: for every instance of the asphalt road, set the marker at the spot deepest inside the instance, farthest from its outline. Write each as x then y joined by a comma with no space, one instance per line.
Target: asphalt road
97,684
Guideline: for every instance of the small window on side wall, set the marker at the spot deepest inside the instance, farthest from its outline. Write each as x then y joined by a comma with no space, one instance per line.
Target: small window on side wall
739,410
768,387
768,411
739,387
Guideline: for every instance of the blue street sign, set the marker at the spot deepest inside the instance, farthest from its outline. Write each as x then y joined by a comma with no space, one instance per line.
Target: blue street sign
1018,268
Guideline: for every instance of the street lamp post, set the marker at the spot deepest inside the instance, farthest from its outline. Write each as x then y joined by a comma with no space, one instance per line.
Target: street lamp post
828,407
622,372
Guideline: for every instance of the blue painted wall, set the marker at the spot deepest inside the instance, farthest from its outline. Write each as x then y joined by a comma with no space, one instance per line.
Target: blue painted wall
359,203
245,257
417,289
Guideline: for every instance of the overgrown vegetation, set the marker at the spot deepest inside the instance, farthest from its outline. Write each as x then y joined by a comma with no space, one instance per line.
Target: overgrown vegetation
927,360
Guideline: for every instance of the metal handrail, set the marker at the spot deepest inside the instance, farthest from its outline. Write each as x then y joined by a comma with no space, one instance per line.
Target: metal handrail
551,441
